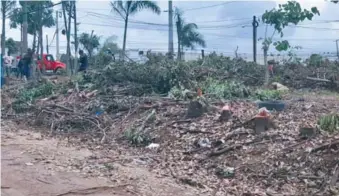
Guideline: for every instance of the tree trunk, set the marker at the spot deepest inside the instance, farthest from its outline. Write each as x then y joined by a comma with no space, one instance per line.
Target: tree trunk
267,73
41,49
38,45
75,69
3,36
34,42
125,36
179,41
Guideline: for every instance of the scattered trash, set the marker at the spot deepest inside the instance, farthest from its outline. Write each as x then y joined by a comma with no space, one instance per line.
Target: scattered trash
227,172
29,164
279,87
153,146
204,143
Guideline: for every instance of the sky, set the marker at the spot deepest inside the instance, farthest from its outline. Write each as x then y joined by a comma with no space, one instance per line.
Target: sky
225,26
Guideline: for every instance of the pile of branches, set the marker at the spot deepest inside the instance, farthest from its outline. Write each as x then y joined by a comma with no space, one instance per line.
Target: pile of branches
160,74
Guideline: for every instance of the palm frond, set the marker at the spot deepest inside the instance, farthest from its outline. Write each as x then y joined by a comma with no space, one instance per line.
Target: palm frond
137,6
189,27
118,7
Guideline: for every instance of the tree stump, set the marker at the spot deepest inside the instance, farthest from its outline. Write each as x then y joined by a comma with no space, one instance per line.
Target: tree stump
261,124
196,109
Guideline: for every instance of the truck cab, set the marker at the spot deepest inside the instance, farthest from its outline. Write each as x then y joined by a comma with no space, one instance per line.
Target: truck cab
50,63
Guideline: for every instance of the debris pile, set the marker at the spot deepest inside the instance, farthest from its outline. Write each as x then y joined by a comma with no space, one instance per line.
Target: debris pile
220,147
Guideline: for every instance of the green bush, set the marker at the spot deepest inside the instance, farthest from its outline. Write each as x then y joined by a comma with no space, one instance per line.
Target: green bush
29,95
266,95
225,89
137,138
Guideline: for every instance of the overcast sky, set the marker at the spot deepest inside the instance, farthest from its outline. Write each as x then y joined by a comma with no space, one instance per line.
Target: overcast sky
225,25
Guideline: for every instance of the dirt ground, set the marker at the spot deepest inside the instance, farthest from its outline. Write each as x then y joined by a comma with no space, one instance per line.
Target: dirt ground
32,165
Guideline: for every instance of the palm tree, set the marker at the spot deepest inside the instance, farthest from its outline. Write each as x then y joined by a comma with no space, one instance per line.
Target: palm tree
6,8
187,34
130,8
89,42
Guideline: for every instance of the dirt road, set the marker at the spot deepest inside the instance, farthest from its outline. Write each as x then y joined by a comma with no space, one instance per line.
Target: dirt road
32,165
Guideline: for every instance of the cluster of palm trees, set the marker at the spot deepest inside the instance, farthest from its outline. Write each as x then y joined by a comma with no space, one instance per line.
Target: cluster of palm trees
188,36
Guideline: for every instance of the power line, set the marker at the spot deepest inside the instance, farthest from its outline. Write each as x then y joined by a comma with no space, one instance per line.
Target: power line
216,5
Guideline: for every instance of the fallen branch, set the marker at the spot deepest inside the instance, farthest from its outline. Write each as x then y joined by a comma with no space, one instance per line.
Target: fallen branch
91,190
326,146
335,176
318,79
224,150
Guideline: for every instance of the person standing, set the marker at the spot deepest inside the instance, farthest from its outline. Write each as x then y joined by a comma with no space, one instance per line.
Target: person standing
83,61
27,61
8,62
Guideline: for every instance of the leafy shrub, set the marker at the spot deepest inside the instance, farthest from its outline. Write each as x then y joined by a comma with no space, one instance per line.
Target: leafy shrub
137,138
226,90
329,123
265,95
29,95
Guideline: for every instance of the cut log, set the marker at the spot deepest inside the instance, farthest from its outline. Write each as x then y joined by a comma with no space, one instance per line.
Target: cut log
318,79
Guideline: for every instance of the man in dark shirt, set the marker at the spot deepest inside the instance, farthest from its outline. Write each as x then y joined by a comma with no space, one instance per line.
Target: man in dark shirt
83,61
26,61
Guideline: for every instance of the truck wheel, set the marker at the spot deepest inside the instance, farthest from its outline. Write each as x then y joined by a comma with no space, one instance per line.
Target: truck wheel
58,71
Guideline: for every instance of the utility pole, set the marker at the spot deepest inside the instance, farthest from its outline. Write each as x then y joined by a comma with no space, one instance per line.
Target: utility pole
170,29
57,34
21,40
24,27
336,41
75,40
47,44
255,25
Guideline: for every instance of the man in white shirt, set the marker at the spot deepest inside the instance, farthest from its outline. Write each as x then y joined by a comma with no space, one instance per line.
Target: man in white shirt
8,63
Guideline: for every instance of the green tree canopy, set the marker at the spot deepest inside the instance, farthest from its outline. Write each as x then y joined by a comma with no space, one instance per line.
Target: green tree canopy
11,46
33,15
89,42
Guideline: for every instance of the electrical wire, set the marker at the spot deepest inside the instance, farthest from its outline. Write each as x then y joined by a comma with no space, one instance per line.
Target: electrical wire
216,5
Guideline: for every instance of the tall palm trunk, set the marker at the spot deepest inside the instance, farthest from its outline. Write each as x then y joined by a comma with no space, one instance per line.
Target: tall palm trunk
3,37
179,40
124,42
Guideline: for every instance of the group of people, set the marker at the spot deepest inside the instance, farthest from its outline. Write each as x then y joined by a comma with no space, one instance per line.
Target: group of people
19,65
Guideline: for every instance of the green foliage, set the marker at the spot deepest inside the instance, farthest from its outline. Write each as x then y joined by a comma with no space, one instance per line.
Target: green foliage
29,95
329,123
315,60
26,96
103,58
89,42
137,138
11,46
289,13
225,89
34,18
268,95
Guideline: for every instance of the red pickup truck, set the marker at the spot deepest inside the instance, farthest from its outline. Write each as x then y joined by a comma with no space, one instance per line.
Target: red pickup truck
50,63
